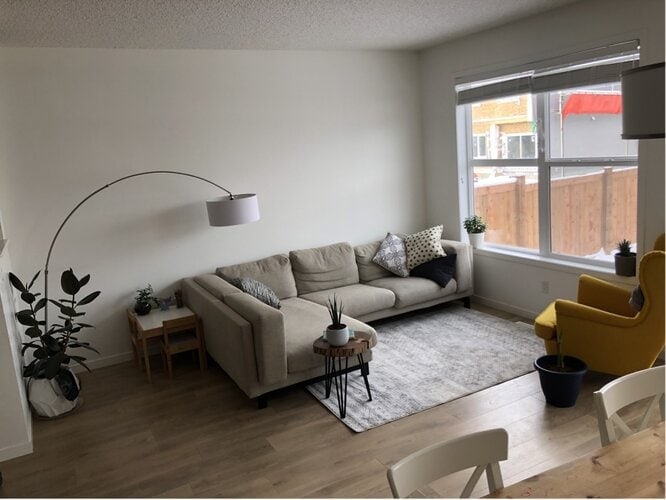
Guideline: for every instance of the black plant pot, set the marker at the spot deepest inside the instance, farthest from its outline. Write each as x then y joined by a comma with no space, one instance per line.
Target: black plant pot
142,308
561,388
625,265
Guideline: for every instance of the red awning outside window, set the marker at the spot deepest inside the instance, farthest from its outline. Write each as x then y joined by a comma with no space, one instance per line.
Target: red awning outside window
590,104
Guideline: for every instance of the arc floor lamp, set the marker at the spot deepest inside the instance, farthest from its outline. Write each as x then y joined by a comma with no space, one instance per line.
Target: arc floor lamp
228,210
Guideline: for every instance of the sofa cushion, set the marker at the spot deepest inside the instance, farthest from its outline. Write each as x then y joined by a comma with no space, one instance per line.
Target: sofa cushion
391,255
441,270
324,268
412,290
216,285
367,269
257,289
305,322
357,300
424,246
274,272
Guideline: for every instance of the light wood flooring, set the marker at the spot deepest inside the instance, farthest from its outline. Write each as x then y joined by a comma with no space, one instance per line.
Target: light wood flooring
198,436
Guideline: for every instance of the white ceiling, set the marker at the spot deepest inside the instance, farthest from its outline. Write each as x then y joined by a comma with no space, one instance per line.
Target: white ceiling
254,24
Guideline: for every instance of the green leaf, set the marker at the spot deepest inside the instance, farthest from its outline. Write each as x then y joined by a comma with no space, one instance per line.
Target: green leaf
27,297
53,365
34,278
88,298
40,304
29,345
85,325
40,353
84,281
33,332
69,283
16,283
26,320
77,345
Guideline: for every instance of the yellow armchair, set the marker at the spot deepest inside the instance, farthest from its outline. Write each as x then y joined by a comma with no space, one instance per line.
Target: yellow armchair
603,329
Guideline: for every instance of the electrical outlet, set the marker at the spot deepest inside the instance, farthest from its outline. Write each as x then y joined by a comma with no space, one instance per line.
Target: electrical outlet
545,287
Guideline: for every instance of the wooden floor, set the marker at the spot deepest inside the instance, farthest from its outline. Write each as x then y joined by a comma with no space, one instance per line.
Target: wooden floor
198,436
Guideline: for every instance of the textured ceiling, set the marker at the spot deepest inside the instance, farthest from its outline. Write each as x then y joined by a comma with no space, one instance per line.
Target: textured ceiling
253,24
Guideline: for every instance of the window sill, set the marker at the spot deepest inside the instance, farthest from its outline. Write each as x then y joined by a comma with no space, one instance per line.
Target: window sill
601,272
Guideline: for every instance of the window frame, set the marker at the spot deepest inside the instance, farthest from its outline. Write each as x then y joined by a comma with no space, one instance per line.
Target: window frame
544,162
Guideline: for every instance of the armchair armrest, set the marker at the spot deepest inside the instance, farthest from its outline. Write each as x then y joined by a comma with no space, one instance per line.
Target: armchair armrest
582,312
600,294
270,343
463,263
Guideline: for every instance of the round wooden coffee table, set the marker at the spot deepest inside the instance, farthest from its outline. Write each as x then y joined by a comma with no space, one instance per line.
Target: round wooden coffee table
355,347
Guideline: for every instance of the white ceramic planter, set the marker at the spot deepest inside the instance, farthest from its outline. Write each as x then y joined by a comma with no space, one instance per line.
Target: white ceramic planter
337,337
476,239
46,398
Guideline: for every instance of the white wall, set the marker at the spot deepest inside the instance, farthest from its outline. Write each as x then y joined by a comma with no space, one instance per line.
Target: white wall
516,284
330,141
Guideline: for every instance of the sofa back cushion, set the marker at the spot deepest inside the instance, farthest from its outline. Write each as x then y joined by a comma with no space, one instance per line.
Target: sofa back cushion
216,285
367,269
274,272
324,268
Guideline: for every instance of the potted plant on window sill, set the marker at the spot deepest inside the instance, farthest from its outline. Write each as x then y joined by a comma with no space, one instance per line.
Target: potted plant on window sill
476,228
53,389
625,259
560,376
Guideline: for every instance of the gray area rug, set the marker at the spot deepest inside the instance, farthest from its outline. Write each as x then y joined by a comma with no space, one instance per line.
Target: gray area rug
432,357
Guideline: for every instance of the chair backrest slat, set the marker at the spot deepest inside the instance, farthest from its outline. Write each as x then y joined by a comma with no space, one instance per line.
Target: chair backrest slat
482,449
624,391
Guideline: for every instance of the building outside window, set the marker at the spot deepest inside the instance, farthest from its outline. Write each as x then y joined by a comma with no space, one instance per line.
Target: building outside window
557,179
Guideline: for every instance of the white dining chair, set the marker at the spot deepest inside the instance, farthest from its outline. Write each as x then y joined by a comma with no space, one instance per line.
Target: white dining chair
483,449
624,391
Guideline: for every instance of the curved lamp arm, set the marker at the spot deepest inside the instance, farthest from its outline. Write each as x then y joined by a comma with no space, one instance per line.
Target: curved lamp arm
225,211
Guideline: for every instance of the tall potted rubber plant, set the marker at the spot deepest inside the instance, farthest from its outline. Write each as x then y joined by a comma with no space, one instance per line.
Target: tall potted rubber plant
53,389
560,376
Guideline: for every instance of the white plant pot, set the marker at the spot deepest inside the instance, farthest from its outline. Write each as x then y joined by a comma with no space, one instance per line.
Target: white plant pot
46,398
337,337
476,239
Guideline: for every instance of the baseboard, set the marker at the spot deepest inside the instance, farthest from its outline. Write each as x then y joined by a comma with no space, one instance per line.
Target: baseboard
503,306
102,362
18,450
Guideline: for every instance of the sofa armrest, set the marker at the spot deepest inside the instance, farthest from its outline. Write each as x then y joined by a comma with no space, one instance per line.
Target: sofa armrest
602,295
464,276
270,341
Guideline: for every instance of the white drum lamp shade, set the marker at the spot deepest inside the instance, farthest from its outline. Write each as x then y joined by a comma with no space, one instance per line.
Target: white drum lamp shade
233,210
643,102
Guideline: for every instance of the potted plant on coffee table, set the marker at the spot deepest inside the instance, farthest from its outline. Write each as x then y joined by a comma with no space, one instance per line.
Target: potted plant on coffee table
625,259
476,228
53,389
337,333
560,376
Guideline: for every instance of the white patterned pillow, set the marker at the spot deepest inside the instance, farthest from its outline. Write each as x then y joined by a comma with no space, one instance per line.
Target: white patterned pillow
424,246
392,256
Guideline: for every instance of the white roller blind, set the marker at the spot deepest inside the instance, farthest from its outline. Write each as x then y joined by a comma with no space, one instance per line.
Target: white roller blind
589,67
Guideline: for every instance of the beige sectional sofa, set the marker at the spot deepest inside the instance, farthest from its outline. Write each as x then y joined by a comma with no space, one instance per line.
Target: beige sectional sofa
264,349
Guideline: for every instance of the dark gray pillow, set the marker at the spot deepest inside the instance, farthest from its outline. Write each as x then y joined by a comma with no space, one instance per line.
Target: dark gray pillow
440,270
257,289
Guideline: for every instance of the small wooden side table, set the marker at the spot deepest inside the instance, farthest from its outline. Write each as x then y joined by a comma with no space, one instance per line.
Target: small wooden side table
149,326
355,347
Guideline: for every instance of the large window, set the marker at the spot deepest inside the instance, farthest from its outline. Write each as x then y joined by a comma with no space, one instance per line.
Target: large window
555,177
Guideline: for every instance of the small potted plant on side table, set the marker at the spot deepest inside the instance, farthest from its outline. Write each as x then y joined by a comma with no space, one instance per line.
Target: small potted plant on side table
144,297
560,376
337,333
625,259
476,228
